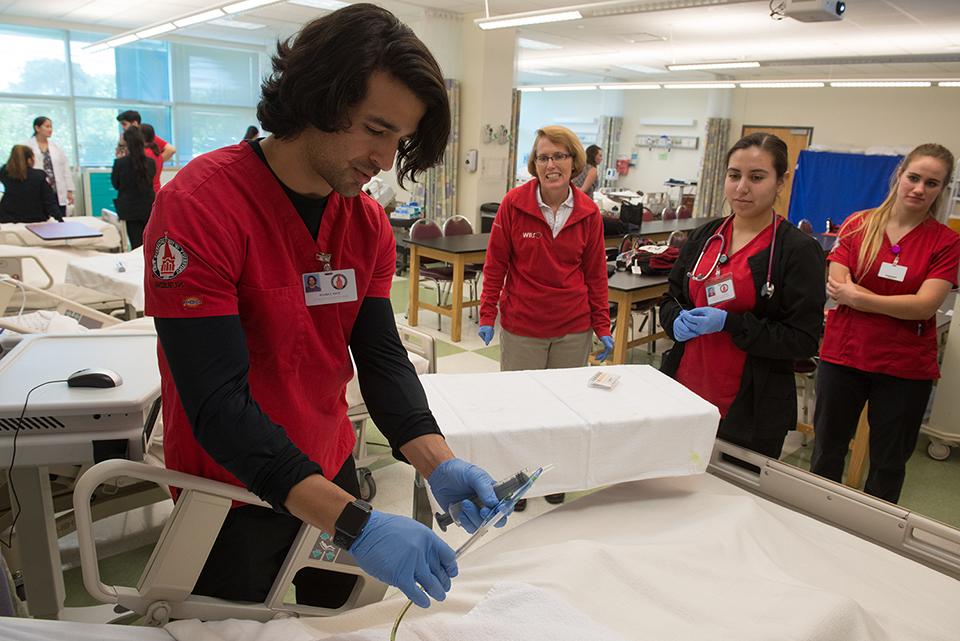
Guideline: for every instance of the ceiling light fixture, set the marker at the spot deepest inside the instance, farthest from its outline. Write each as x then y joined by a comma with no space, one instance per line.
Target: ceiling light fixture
527,43
949,83
197,18
156,31
705,66
237,24
569,87
529,89
628,85
642,68
787,84
246,5
529,17
123,40
881,83
701,85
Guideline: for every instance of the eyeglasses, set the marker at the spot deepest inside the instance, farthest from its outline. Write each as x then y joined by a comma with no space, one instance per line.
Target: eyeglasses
558,157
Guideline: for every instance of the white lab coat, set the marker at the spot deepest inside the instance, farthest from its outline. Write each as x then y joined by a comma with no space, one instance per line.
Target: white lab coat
61,166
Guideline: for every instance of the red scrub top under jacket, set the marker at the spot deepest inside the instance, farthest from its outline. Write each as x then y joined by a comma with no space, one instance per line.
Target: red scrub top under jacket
224,239
712,365
877,342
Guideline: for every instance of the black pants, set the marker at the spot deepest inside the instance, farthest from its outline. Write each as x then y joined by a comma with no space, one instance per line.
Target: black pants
135,232
252,546
895,412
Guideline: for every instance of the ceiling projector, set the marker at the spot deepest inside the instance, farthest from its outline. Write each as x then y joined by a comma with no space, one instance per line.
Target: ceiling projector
815,10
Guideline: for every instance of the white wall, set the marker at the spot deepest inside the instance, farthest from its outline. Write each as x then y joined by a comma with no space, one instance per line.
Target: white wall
857,118
538,109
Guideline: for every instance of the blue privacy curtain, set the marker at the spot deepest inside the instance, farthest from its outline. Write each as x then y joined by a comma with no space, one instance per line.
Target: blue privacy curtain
834,185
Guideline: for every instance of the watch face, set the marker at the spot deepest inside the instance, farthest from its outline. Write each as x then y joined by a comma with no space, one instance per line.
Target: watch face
353,517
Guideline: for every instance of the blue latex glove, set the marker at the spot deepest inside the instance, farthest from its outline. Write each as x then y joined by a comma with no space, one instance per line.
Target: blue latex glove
455,481
706,320
682,331
486,333
607,347
402,552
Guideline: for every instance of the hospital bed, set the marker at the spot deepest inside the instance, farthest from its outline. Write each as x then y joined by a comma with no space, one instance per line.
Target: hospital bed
45,268
729,554
18,234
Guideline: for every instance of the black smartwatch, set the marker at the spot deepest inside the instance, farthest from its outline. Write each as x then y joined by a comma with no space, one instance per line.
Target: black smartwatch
350,523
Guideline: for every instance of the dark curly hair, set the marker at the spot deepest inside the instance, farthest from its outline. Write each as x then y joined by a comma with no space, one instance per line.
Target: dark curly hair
322,71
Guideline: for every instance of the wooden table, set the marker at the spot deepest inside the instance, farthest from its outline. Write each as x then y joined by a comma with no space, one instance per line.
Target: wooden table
660,230
625,289
459,251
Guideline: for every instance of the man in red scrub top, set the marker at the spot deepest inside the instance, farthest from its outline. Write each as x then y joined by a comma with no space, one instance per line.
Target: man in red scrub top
254,366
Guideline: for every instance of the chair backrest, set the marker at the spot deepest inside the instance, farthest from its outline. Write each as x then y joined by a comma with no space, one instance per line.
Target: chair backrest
423,229
627,242
457,226
684,211
668,214
647,215
805,226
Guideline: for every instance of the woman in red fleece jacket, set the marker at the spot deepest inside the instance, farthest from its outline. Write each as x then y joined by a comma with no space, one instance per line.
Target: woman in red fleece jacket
546,265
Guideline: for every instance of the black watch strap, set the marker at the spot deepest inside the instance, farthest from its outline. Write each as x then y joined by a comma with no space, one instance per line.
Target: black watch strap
350,523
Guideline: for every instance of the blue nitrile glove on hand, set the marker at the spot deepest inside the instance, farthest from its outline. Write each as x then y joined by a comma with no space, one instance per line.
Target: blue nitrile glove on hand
682,330
706,320
486,333
607,348
455,481
402,552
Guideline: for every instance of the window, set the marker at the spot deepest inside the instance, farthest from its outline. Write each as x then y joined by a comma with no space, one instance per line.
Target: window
98,130
214,76
208,129
16,124
34,61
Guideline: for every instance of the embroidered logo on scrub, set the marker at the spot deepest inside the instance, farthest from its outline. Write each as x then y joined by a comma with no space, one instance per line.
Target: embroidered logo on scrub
192,302
169,259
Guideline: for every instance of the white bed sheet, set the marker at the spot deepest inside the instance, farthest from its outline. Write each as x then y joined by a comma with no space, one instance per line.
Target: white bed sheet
102,273
12,629
698,558
647,426
54,259
20,235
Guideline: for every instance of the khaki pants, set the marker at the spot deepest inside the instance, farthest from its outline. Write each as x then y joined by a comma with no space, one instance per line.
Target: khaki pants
523,352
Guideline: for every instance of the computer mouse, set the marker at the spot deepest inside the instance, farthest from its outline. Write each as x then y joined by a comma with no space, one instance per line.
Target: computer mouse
94,377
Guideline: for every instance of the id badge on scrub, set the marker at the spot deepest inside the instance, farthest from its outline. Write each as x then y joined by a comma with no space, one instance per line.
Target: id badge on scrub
328,288
719,289
892,271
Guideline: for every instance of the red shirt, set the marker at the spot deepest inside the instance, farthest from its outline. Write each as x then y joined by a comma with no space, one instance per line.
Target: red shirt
712,365
224,239
546,287
158,163
877,342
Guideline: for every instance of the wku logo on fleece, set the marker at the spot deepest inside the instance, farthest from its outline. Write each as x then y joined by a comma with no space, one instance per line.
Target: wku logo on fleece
531,234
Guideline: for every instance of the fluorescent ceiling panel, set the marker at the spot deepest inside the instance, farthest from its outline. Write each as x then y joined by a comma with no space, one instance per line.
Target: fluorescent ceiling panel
702,85
519,21
329,5
197,18
706,66
237,24
570,87
628,86
882,83
787,84
246,5
156,31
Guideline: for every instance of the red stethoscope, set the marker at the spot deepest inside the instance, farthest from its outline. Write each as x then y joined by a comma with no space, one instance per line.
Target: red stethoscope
767,290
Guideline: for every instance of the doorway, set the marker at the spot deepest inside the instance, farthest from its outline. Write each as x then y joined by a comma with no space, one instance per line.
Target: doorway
797,139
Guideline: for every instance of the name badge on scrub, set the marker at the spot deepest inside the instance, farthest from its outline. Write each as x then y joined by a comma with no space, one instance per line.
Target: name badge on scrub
720,289
892,271
328,288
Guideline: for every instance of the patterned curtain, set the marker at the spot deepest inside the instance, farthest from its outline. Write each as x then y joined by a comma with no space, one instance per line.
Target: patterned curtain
608,139
514,132
709,200
437,190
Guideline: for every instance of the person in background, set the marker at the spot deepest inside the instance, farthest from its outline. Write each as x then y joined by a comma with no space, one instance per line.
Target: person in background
50,157
132,177
27,197
252,133
745,301
131,118
545,270
890,270
153,152
253,370
588,178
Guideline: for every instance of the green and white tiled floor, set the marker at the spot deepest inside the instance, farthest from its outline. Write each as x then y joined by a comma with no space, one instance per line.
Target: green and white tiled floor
932,488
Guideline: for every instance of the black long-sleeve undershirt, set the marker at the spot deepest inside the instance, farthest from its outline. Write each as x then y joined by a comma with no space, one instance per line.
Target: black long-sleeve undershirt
209,362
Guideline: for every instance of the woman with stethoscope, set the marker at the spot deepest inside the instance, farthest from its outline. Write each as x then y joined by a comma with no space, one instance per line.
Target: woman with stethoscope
745,301
890,271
